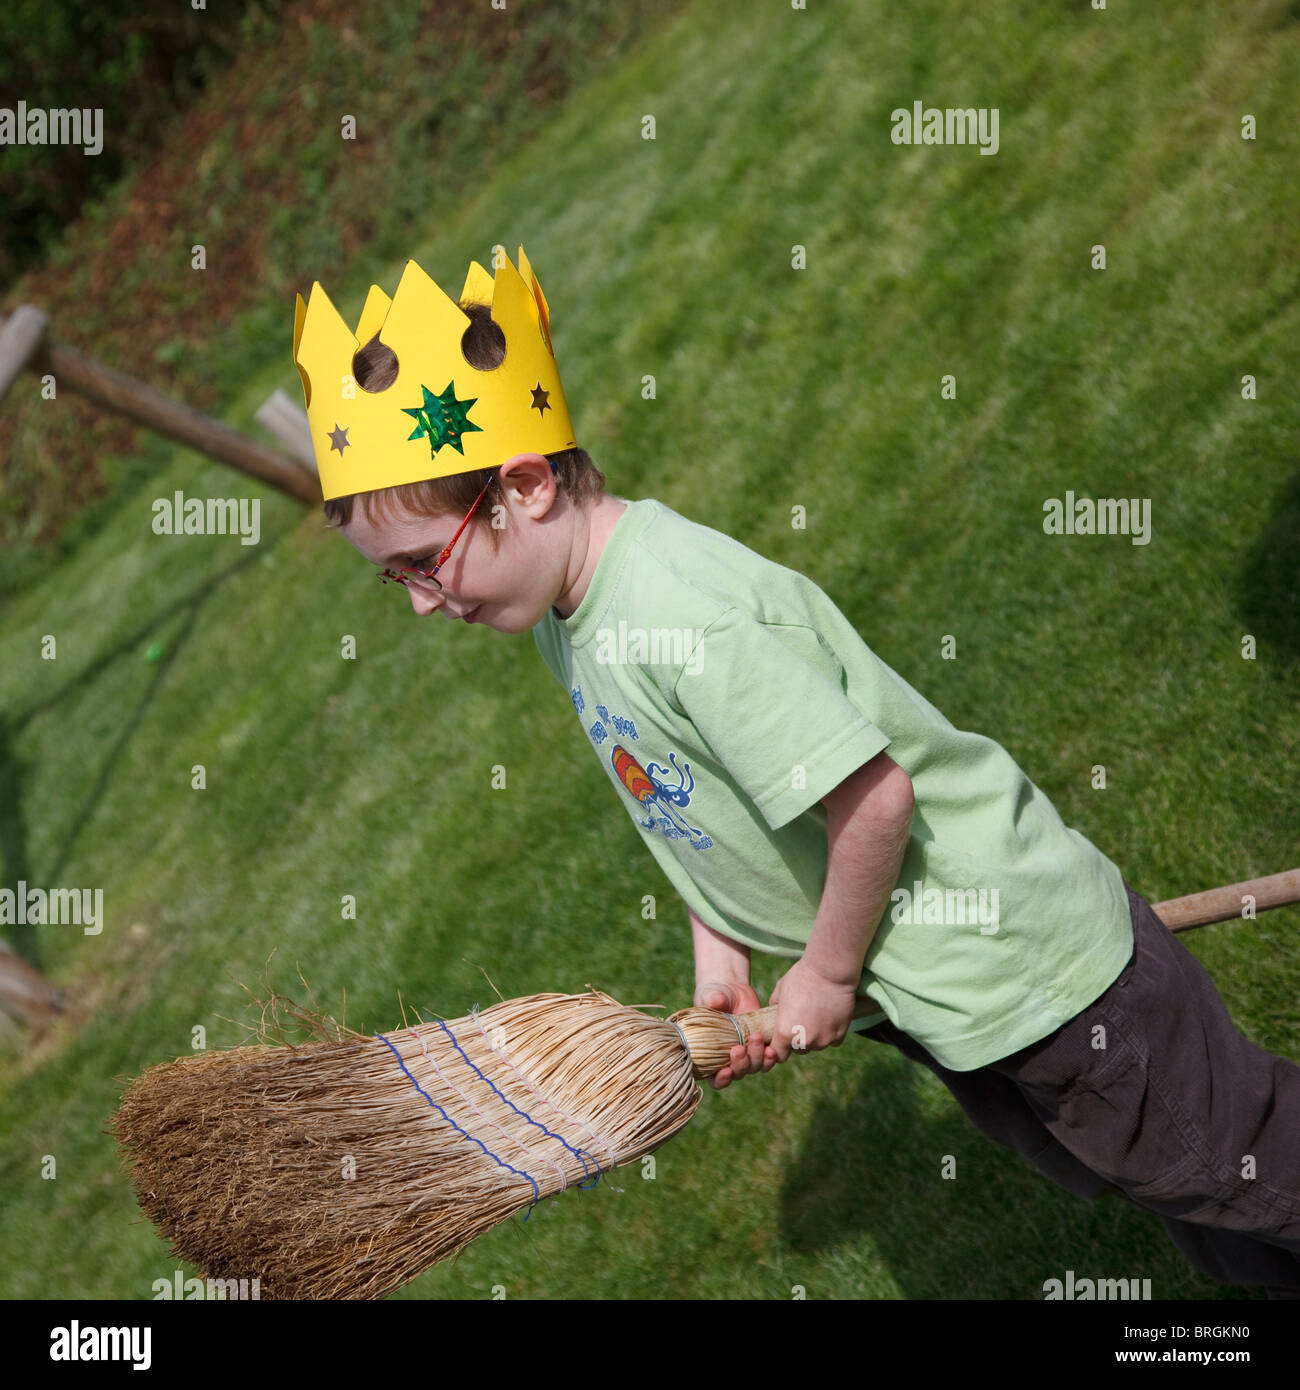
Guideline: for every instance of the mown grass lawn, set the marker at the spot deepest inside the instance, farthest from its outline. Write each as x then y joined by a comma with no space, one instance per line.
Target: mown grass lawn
775,388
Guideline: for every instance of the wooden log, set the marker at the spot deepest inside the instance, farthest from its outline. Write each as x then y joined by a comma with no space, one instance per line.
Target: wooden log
125,395
20,340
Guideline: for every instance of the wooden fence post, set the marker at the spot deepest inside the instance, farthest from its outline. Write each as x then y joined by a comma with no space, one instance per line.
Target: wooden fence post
20,340
286,421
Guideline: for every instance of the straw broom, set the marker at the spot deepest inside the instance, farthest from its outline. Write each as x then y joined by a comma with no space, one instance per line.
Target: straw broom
341,1169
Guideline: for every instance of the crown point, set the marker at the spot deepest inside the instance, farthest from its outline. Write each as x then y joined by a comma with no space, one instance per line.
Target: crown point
373,314
478,285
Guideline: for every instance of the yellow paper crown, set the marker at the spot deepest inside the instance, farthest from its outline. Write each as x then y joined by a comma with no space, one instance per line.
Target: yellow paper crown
440,416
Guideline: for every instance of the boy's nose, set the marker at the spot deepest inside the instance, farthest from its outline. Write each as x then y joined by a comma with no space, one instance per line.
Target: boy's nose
422,600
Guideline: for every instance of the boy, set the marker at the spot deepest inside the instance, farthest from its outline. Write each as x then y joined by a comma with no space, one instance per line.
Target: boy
799,794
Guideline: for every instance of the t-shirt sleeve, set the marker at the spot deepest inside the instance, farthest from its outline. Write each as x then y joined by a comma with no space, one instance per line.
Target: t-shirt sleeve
768,702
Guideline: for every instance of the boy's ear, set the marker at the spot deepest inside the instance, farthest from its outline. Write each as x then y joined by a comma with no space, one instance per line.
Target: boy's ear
539,468
528,458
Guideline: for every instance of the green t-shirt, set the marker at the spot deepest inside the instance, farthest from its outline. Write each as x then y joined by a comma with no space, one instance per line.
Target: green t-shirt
725,695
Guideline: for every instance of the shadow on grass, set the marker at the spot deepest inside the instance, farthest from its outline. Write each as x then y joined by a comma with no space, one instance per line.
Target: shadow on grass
997,1229
14,858
13,837
1268,587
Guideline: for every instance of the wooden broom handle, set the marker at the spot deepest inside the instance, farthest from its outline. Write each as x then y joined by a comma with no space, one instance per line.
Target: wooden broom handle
1195,910
764,1020
1218,904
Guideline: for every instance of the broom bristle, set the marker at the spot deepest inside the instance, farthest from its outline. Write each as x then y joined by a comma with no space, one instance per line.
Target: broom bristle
342,1169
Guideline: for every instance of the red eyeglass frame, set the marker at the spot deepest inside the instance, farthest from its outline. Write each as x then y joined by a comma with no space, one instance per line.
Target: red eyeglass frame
395,576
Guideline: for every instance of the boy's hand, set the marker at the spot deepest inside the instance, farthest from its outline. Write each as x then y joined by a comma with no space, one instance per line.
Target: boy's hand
736,997
820,1009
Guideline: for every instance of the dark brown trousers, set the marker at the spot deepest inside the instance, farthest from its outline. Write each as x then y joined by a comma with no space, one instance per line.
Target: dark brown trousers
1150,1091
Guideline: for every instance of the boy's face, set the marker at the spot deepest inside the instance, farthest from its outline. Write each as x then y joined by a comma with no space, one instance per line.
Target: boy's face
509,589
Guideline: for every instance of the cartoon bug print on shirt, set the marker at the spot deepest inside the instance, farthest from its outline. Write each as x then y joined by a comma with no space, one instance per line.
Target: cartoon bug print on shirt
646,784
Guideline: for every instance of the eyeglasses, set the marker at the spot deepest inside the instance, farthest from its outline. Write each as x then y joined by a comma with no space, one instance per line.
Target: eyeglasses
423,579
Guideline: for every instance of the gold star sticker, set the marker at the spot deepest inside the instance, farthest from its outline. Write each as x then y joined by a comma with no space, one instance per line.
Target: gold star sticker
540,402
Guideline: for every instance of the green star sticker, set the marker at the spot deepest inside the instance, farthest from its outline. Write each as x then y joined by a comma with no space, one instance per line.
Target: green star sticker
443,419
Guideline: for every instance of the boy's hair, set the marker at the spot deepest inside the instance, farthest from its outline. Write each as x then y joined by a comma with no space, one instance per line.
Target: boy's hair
484,346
